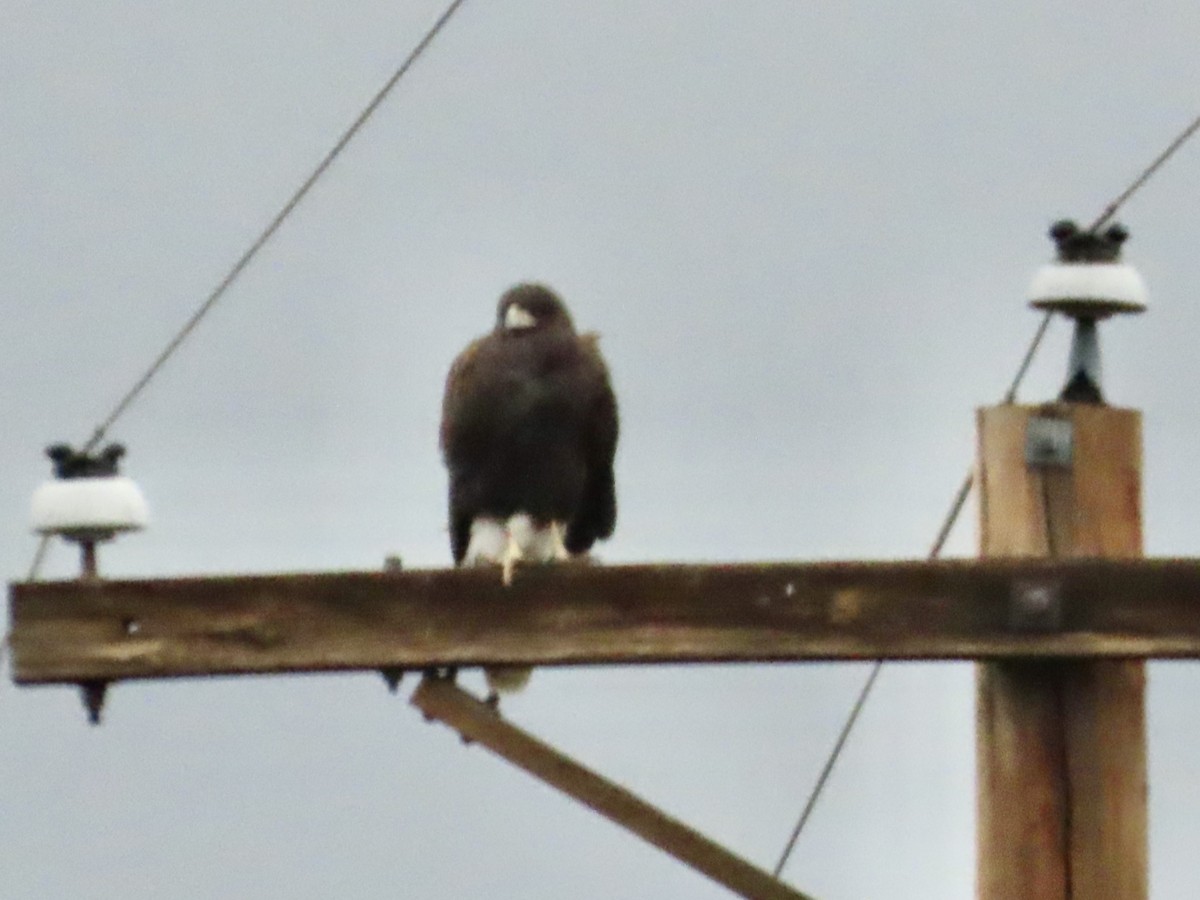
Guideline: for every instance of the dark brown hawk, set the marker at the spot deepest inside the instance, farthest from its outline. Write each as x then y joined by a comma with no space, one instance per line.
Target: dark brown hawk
529,431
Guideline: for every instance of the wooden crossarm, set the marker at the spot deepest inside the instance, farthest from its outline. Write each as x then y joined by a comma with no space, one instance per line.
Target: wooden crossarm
76,631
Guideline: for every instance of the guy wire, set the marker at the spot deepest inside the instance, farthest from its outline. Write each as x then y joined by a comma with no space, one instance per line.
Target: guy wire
960,498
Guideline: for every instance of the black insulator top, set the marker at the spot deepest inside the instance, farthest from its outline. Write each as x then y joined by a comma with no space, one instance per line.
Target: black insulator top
69,463
1076,246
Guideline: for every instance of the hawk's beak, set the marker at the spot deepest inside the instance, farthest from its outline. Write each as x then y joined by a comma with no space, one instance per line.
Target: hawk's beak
518,317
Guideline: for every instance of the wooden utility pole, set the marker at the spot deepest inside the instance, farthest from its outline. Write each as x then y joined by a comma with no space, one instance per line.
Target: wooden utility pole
1061,744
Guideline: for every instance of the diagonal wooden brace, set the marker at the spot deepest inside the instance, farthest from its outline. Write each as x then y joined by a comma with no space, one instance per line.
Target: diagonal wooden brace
441,699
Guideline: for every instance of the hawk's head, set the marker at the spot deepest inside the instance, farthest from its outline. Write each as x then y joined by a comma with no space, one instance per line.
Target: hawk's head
531,307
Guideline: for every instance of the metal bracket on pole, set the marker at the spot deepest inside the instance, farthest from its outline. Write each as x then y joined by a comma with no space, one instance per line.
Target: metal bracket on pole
1049,442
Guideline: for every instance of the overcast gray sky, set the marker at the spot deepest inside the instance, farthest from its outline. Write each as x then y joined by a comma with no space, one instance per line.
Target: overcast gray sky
805,231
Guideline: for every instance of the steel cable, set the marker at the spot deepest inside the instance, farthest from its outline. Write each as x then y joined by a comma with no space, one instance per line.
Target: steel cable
244,260
219,291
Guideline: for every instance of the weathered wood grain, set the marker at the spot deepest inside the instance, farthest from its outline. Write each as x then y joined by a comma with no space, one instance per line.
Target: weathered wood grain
1061,745
68,632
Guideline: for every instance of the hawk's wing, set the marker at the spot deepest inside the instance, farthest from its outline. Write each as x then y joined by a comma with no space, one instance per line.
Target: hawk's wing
457,393
597,514
458,382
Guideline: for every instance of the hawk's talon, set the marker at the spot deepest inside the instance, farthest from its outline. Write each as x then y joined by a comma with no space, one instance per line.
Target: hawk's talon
508,562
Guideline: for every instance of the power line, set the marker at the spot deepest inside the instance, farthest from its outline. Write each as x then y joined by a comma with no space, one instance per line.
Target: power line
1010,395
1135,186
827,769
225,283
960,499
39,557
952,514
244,260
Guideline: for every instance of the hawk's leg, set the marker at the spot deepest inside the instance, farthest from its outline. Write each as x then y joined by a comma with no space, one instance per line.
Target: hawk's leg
558,545
487,545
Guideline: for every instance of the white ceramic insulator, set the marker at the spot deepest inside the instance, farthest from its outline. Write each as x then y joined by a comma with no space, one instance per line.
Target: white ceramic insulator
1082,282
89,508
